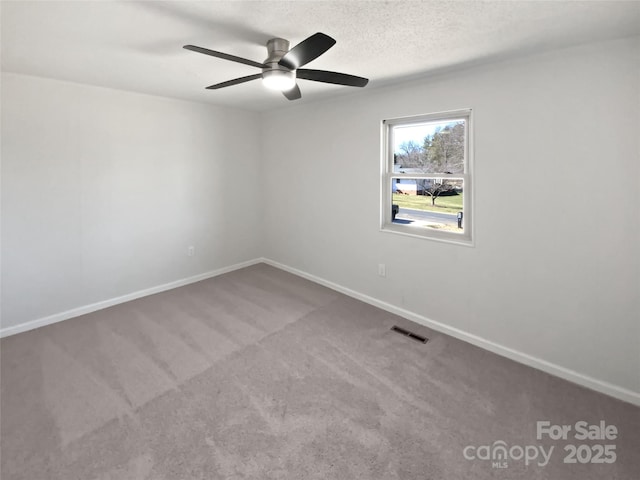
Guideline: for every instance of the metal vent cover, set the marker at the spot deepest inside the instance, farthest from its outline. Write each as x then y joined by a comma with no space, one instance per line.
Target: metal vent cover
407,333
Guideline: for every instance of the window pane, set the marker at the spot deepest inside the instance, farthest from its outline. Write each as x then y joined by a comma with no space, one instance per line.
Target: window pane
436,147
428,203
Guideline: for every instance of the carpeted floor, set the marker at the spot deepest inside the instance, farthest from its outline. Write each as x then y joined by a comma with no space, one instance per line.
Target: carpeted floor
259,374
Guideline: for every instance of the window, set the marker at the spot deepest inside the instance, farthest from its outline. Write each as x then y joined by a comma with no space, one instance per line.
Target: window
426,176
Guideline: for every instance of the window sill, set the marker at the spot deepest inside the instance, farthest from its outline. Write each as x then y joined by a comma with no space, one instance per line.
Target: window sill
428,234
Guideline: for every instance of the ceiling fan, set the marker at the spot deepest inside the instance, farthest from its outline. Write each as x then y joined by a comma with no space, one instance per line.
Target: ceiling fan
282,66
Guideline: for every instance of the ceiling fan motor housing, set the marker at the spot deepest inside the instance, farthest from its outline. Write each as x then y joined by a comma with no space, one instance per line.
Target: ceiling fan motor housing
276,49
274,75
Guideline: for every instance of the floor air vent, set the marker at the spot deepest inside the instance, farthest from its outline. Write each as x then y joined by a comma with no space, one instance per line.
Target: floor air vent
407,333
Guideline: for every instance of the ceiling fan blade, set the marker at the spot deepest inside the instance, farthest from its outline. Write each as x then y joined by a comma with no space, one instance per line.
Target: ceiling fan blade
331,77
235,81
307,50
293,94
224,56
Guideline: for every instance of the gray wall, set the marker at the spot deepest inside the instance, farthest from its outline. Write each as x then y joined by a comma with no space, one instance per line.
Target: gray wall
554,273
104,190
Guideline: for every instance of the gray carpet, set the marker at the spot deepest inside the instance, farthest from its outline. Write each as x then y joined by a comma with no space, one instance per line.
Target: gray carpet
259,374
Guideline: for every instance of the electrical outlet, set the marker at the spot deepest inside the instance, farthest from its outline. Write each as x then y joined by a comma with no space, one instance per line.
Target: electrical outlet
382,270
191,251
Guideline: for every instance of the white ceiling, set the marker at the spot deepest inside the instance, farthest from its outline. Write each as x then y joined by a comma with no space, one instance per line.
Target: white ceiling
137,46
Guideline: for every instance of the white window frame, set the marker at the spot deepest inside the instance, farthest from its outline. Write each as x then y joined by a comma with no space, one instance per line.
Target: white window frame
388,175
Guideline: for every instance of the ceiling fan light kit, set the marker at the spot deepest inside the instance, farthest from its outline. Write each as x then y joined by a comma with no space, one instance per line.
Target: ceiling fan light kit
279,80
282,66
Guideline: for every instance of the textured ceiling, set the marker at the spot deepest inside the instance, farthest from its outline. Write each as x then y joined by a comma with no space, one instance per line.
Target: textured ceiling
137,46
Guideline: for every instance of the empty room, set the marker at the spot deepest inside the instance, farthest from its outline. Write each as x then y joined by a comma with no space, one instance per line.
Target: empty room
320,240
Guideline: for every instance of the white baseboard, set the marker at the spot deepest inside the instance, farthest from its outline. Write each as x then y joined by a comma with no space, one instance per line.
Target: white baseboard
520,357
76,312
